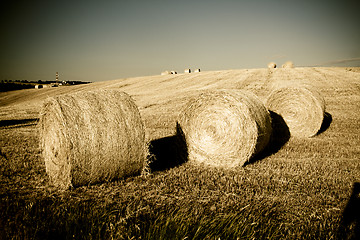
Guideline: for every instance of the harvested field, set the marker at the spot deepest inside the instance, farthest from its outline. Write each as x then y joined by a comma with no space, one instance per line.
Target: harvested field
296,189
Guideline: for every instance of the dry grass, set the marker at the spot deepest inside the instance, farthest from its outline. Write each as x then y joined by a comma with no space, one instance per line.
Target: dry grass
304,190
225,128
91,137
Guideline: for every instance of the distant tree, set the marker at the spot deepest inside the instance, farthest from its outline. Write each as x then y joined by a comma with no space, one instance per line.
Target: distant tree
39,81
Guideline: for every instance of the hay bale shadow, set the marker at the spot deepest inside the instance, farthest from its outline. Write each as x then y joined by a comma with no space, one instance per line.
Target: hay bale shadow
350,223
168,152
279,137
13,123
326,123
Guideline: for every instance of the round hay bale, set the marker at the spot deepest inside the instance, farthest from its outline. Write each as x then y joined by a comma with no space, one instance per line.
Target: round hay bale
166,73
302,108
173,72
224,128
288,64
197,70
271,65
188,70
91,137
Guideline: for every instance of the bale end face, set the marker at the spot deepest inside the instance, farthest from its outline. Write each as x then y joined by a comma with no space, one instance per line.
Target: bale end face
301,107
224,128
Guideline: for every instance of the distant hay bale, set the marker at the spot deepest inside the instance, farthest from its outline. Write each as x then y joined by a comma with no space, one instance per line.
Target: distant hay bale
38,86
165,73
224,128
197,70
271,65
288,64
91,137
187,70
173,72
302,108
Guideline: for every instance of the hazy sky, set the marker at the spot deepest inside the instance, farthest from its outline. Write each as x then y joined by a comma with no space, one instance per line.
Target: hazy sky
103,40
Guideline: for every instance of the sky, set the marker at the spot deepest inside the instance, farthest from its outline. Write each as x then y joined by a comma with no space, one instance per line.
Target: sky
104,40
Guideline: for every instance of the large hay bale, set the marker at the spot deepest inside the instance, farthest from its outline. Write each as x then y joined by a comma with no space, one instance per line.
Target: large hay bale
271,65
224,128
91,137
302,108
288,64
188,70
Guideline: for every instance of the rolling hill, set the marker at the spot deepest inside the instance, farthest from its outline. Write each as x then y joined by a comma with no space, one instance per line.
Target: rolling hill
163,95
304,189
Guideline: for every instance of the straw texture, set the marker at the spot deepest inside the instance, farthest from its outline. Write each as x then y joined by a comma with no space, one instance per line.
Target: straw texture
302,108
91,137
224,128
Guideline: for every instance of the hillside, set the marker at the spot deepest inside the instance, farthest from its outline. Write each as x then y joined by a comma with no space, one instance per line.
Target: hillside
163,95
303,189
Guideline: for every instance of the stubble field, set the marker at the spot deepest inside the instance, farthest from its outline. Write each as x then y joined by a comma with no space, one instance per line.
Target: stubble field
297,189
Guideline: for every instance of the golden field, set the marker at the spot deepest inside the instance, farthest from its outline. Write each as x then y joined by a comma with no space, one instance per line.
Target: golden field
302,189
